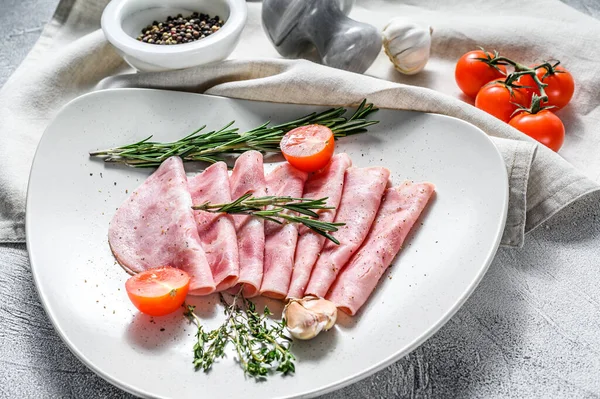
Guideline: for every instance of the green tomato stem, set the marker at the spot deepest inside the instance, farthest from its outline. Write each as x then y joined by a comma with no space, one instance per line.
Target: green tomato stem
521,70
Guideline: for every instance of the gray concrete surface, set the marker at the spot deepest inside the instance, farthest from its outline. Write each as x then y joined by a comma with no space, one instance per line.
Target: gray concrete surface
531,329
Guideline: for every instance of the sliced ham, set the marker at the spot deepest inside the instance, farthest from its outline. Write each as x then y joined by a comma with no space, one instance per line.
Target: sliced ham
329,183
248,177
281,239
361,197
216,231
399,211
155,227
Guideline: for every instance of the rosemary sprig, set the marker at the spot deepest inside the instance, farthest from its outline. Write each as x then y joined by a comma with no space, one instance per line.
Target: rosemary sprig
255,206
212,145
261,347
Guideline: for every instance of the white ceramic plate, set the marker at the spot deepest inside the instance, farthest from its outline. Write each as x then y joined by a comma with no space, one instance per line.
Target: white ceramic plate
72,198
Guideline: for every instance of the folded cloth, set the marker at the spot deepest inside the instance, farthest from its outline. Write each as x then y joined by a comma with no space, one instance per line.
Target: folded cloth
72,56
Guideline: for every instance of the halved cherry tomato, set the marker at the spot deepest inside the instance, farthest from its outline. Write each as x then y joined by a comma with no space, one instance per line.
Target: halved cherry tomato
159,291
471,74
496,99
543,126
308,148
560,89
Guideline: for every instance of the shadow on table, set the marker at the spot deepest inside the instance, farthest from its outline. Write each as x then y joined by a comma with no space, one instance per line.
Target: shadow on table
490,348
476,353
33,359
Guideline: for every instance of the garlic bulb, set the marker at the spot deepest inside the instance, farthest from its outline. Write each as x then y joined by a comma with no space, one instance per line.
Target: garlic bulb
305,318
407,44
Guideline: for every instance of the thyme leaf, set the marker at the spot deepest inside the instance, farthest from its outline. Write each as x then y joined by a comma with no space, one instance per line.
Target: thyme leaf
261,346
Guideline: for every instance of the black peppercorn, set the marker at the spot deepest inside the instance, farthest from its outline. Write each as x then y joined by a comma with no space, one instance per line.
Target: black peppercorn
180,29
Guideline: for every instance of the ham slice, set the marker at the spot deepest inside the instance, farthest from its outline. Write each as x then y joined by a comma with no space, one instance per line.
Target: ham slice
155,227
248,177
399,211
216,231
361,197
280,239
329,183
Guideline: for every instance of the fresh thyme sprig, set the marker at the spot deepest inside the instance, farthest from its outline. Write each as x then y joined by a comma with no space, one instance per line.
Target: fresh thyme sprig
211,146
255,206
261,346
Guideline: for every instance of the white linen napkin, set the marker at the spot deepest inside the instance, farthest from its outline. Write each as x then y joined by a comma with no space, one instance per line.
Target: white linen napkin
72,58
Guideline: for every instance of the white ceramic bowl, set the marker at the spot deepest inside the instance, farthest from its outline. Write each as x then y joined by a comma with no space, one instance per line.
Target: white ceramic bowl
123,21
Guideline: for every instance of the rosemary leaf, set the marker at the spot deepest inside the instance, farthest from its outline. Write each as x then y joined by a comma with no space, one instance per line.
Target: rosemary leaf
211,146
281,206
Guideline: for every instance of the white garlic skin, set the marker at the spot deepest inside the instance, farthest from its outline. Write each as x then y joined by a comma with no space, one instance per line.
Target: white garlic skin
407,44
307,317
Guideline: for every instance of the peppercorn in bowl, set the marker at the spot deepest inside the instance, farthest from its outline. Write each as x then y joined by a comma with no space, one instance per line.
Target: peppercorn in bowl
154,35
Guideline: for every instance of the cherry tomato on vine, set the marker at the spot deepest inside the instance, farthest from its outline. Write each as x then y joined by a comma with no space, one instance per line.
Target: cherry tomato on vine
561,86
159,291
543,126
530,85
497,99
471,74
308,148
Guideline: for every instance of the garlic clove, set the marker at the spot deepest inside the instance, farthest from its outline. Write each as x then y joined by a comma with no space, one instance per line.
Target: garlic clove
302,323
306,318
407,44
323,307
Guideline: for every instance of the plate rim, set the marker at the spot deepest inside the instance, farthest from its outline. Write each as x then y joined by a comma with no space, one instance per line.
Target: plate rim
438,324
